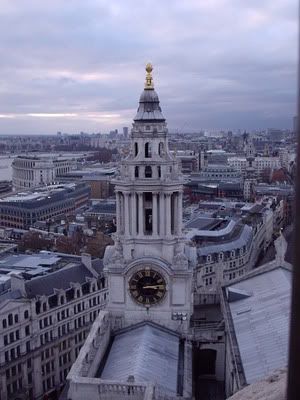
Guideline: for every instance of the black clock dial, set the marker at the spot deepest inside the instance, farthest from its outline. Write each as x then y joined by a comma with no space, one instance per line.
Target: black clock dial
147,286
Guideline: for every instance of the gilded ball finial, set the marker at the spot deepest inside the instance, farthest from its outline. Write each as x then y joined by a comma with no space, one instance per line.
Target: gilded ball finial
149,80
149,68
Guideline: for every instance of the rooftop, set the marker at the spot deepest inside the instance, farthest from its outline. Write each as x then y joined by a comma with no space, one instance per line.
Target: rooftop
260,309
149,353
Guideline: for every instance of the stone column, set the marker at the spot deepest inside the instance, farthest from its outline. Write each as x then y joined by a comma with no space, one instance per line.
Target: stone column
161,214
175,214
154,214
118,213
121,198
141,215
126,214
133,214
179,223
168,214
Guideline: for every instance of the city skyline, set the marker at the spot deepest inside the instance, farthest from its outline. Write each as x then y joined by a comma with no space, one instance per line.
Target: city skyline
217,64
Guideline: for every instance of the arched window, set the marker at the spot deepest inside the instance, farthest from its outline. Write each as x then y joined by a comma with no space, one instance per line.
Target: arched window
148,150
136,172
136,149
161,148
10,319
148,172
4,323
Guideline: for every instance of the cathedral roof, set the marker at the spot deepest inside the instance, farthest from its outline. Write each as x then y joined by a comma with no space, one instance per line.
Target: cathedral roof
149,108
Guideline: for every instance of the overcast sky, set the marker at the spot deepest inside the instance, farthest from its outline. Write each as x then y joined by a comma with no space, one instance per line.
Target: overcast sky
78,65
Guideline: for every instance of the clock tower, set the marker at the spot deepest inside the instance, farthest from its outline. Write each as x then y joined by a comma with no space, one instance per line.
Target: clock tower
149,274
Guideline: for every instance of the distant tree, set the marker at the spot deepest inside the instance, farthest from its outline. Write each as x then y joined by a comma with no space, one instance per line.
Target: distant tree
96,244
35,241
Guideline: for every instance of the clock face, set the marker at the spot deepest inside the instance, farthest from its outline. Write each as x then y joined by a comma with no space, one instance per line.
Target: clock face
147,286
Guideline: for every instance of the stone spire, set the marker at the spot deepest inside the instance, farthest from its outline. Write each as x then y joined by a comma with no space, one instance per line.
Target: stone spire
149,108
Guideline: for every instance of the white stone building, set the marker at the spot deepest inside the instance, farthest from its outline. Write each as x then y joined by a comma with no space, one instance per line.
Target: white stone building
149,278
44,322
31,171
259,163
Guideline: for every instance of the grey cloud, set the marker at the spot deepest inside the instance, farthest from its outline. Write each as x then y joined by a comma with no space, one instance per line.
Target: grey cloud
217,63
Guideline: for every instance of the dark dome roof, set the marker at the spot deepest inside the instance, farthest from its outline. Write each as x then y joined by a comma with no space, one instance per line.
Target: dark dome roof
149,108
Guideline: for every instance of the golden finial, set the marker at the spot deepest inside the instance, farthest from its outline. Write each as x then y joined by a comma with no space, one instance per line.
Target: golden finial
149,80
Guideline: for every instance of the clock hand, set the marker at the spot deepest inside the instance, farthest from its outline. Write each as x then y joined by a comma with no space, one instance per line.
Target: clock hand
154,287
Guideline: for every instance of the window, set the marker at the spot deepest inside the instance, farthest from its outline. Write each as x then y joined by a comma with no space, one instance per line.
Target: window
160,148
26,314
136,149
16,318
136,172
27,330
10,319
148,150
4,323
148,172
159,171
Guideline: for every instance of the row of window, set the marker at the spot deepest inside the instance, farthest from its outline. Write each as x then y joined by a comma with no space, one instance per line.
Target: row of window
11,338
11,372
233,254
45,354
15,335
46,337
148,149
232,275
13,319
70,294
61,315
48,367
45,322
14,387
48,383
64,359
65,344
12,354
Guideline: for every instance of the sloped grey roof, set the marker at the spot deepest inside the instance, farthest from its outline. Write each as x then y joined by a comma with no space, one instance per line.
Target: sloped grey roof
242,240
45,285
212,233
146,352
261,321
